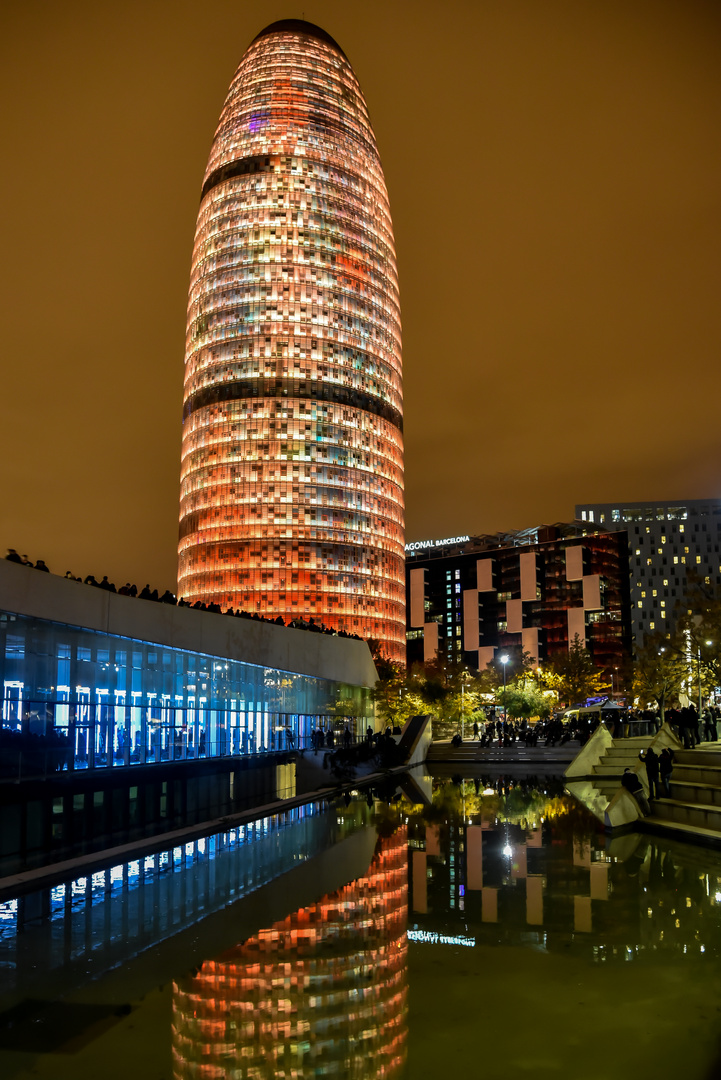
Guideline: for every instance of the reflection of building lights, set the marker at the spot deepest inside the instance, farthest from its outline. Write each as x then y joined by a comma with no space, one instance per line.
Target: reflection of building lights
488,791
508,851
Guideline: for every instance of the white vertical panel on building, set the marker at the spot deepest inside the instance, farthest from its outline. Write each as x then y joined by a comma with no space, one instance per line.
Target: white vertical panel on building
485,655
470,618
430,641
574,563
484,575
576,625
418,595
528,575
592,592
529,642
514,616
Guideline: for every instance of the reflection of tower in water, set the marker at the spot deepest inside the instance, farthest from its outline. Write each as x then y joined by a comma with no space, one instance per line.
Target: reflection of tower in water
321,993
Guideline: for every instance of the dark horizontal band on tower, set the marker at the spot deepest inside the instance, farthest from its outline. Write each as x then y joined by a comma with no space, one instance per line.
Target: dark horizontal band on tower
259,163
263,163
241,389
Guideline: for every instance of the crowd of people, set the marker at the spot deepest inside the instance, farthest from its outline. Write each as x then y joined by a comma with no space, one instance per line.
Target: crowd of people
509,732
146,593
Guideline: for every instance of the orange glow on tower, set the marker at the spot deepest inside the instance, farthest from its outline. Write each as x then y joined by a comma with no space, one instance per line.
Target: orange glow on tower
292,461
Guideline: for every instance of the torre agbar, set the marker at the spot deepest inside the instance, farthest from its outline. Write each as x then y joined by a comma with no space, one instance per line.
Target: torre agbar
292,462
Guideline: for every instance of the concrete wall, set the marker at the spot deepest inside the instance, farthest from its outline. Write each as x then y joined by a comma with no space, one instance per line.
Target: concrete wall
25,591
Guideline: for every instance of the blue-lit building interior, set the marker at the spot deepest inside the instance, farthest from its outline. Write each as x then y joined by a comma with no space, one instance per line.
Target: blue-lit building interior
83,699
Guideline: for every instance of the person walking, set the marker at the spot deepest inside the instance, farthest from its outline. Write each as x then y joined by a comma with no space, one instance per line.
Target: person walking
650,760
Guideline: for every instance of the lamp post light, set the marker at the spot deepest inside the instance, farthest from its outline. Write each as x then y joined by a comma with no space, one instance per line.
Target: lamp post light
504,661
698,673
661,651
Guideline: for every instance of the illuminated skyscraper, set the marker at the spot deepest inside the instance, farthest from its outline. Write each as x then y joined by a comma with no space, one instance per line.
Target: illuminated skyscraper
292,462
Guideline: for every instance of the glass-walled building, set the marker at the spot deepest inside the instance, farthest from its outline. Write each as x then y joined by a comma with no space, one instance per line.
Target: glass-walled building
97,699
291,498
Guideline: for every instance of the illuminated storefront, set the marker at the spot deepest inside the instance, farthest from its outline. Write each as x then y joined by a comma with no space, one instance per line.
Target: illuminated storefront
322,993
292,461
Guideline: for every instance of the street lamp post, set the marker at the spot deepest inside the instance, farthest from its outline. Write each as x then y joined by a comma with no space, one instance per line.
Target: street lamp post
504,661
698,673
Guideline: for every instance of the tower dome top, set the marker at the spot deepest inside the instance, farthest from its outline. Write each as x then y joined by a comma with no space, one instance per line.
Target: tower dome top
300,26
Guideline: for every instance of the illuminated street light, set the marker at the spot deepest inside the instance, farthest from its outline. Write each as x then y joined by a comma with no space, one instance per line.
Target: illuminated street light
504,661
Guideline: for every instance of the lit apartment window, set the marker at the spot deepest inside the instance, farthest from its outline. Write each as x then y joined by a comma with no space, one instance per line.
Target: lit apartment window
638,551
654,593
698,558
643,594
583,515
639,603
675,558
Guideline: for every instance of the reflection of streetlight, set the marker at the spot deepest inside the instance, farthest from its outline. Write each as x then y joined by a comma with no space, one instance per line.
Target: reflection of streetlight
504,661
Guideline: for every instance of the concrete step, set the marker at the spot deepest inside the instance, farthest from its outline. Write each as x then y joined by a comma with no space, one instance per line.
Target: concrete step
697,774
704,754
680,831
613,769
688,813
706,794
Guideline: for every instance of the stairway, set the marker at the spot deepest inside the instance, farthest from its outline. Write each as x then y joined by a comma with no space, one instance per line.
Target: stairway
594,777
694,809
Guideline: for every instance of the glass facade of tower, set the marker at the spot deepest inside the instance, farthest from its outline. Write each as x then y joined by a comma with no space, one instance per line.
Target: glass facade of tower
292,461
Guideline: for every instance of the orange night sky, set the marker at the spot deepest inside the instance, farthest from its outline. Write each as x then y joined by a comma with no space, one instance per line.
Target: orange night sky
554,172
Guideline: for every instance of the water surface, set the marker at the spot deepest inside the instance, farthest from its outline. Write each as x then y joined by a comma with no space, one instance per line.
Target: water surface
495,931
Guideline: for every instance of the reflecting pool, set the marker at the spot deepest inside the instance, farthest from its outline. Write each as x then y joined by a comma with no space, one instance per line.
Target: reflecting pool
491,928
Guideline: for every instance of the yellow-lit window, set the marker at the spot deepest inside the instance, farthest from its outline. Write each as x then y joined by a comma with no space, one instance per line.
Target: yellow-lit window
675,559
698,558
654,593
663,603
639,604
649,562
686,550
652,626
660,550
665,581
638,551
663,539
643,594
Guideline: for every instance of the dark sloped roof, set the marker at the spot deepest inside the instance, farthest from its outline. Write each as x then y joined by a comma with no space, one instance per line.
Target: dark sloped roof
299,26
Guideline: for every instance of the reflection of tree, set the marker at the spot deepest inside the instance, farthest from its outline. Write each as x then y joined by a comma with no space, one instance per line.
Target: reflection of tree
321,993
514,802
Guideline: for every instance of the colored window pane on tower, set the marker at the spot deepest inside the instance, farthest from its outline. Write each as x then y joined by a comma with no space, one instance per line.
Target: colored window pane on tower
292,461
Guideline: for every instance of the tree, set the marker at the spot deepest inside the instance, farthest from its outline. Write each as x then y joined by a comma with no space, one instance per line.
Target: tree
525,700
659,671
576,675
699,632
